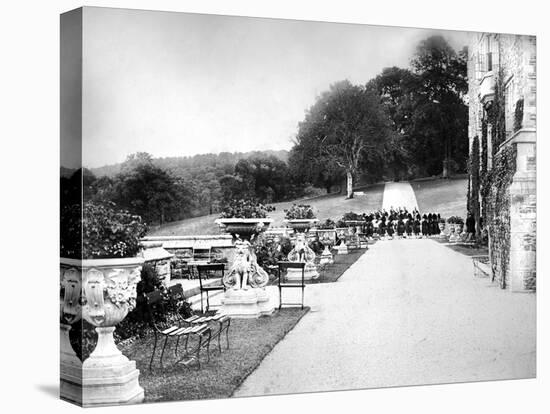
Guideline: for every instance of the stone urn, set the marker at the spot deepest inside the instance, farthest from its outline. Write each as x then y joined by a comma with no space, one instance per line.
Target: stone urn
441,226
343,236
459,227
452,234
246,296
101,291
328,238
301,225
243,228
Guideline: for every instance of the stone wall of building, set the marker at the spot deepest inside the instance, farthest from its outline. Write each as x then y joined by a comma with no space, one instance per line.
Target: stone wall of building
512,207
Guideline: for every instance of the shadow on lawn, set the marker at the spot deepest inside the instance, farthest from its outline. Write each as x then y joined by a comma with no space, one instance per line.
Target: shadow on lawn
250,341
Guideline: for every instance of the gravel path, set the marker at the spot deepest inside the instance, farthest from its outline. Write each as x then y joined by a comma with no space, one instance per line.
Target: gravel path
399,195
407,312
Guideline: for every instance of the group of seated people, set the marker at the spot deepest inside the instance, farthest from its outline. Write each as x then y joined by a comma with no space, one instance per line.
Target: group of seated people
401,223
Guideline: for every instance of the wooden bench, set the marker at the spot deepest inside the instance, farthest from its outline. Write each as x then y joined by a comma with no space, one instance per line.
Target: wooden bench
481,266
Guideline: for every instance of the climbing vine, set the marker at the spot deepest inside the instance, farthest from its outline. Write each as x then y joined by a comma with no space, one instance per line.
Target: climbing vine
474,180
498,181
496,113
518,115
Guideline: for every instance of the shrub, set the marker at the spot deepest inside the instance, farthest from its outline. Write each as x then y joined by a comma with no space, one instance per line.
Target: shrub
268,252
327,224
351,216
102,232
300,211
455,220
245,208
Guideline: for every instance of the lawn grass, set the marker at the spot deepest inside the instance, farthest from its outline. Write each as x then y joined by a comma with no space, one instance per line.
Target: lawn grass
446,197
332,272
467,250
328,206
250,341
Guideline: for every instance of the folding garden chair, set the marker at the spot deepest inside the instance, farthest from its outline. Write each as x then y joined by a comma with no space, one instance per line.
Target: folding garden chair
163,329
282,266
204,270
222,321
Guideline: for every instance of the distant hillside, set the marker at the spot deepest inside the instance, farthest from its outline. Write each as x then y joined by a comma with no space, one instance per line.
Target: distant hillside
180,166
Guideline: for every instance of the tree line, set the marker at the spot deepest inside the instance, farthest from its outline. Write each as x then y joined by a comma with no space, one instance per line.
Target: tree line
403,124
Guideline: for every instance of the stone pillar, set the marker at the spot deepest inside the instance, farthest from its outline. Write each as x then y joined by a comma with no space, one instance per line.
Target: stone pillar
523,213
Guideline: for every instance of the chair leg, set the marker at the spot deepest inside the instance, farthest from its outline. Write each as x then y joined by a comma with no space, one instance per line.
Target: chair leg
202,311
177,344
199,352
162,353
227,332
208,346
302,297
153,354
207,301
219,339
280,297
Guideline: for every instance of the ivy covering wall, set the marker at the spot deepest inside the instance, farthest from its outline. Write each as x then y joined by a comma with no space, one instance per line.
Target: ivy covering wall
473,182
498,182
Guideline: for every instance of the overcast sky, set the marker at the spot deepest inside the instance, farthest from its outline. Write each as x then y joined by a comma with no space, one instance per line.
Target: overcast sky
175,84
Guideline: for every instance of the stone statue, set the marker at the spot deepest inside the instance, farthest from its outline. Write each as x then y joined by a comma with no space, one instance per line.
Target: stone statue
301,251
245,271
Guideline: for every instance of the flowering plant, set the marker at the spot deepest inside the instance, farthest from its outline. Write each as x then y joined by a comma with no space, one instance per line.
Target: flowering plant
455,220
245,209
300,211
99,231
351,216
327,225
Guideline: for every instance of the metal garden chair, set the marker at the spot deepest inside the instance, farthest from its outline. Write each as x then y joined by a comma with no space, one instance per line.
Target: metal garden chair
163,329
282,266
204,270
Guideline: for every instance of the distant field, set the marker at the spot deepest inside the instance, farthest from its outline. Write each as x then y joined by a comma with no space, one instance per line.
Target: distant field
446,197
328,206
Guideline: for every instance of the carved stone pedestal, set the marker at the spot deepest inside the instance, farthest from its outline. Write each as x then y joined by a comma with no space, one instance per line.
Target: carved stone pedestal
108,377
342,248
326,256
102,292
310,273
70,368
247,303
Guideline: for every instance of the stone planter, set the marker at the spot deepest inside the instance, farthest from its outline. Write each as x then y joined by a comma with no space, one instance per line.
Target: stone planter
441,229
343,236
102,292
301,225
244,228
328,238
452,233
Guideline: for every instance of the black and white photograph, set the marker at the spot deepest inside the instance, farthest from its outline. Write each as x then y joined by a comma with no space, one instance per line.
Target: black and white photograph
268,209
256,206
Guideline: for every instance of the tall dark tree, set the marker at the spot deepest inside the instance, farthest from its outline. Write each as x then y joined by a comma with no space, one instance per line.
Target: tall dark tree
347,126
440,117
149,191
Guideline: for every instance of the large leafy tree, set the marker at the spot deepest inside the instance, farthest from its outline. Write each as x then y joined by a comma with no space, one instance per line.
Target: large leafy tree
346,127
440,117
144,189
396,88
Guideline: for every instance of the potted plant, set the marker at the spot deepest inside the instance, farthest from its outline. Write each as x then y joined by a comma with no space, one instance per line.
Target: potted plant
99,274
300,217
459,225
244,218
441,224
